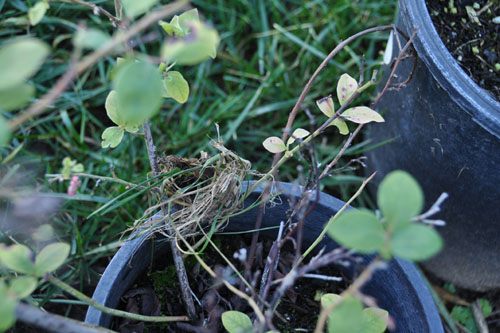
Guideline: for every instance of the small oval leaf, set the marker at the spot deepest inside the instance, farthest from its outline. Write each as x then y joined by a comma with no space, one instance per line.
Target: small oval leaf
346,87
200,44
346,317
90,38
374,320
274,145
416,242
23,286
328,299
326,106
399,198
51,257
341,125
20,58
16,257
134,8
299,133
4,132
37,12
16,97
139,90
111,137
176,87
236,322
362,115
7,309
360,230
113,112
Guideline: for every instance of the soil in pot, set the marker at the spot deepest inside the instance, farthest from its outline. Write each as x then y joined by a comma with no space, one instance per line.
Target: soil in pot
158,289
471,32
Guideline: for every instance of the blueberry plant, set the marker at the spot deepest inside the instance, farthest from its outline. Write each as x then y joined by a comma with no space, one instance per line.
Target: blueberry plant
139,88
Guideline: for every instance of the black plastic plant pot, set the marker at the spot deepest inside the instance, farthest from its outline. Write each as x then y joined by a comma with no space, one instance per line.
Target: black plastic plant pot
445,131
399,288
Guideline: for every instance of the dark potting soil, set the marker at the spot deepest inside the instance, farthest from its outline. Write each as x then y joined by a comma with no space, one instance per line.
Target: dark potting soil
158,290
470,31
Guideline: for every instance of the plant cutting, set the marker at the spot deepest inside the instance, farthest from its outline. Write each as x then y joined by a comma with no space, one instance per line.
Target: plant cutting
197,197
444,129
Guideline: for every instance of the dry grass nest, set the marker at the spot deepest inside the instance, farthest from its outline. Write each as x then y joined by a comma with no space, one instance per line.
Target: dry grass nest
209,192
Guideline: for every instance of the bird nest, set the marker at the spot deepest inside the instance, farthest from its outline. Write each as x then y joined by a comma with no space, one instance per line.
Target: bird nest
206,194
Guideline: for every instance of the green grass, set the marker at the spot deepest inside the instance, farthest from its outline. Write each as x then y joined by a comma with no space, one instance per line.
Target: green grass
268,51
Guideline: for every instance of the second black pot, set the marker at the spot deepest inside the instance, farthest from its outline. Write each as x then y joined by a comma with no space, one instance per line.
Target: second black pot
446,133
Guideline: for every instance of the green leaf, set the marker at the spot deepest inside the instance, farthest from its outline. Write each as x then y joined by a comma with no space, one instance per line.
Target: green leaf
299,133
90,38
13,98
16,257
400,198
179,26
112,110
7,308
139,91
326,106
362,115
20,58
359,229
176,87
189,16
346,317
70,166
328,299
51,257
374,320
112,136
43,233
346,87
485,306
274,144
464,316
236,322
77,168
23,286
341,125
4,132
134,8
37,12
200,44
416,242
172,28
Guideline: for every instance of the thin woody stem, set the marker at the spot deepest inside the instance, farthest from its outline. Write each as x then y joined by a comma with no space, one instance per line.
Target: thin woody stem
118,313
353,290
54,323
179,263
95,8
74,70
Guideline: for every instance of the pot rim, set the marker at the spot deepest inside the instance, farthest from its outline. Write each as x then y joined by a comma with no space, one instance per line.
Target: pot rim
403,273
481,105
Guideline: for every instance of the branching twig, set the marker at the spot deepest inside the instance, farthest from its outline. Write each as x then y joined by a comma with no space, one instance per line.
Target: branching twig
179,263
323,232
435,208
347,144
62,84
96,9
323,64
54,323
352,290
477,312
100,178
